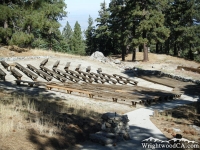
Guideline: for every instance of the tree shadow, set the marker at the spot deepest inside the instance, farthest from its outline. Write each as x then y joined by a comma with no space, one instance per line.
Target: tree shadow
66,125
137,134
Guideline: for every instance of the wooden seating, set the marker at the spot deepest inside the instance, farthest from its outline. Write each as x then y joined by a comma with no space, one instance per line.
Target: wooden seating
78,67
90,76
127,79
70,77
16,74
27,72
40,73
28,82
5,65
56,64
2,74
52,73
103,77
77,75
69,90
67,66
88,69
43,63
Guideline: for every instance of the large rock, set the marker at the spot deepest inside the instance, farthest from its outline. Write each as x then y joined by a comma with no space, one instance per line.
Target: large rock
99,56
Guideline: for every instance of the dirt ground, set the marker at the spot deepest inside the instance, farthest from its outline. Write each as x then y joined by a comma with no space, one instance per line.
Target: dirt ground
34,139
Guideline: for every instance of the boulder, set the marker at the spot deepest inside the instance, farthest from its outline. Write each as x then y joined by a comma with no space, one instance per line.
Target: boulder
98,56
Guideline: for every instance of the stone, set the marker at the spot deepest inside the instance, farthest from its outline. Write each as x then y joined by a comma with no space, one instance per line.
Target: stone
178,136
117,61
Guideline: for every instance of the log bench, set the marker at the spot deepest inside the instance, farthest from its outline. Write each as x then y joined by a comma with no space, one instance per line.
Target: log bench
28,82
70,77
69,90
90,76
77,75
125,78
103,77
40,73
16,74
2,74
27,72
52,73
44,62
56,64
5,65
67,66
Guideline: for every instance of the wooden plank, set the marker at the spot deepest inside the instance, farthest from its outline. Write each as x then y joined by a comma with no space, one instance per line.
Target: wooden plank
69,90
44,62
90,76
2,74
52,73
125,78
39,72
16,74
5,65
26,71
70,77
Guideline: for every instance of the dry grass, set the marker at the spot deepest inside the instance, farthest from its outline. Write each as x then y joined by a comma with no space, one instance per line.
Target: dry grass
181,118
65,125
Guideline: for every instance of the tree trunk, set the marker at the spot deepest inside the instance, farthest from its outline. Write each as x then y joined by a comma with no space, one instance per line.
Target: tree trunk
190,53
157,51
145,52
145,49
175,50
123,53
5,27
134,54
161,48
167,47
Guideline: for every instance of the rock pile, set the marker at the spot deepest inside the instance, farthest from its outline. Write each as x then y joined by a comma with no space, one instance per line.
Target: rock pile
115,128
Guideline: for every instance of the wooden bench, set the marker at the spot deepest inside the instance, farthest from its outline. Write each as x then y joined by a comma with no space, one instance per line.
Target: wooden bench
77,75
2,74
90,76
69,90
16,74
40,73
78,67
56,64
28,82
67,66
27,72
88,69
52,73
103,77
125,78
5,65
70,77
44,62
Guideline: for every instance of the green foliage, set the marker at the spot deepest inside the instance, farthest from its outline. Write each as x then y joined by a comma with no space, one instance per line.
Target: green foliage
77,45
89,35
21,39
31,23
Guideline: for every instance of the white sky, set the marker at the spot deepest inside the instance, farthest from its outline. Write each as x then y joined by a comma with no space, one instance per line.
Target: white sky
79,10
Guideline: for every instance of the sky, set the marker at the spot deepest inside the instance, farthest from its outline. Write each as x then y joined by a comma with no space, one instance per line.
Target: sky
79,10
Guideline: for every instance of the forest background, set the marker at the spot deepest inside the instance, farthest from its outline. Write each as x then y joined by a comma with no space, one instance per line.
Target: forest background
169,27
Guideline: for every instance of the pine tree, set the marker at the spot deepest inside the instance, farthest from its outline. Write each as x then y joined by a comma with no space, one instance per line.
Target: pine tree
67,35
103,38
89,34
76,43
